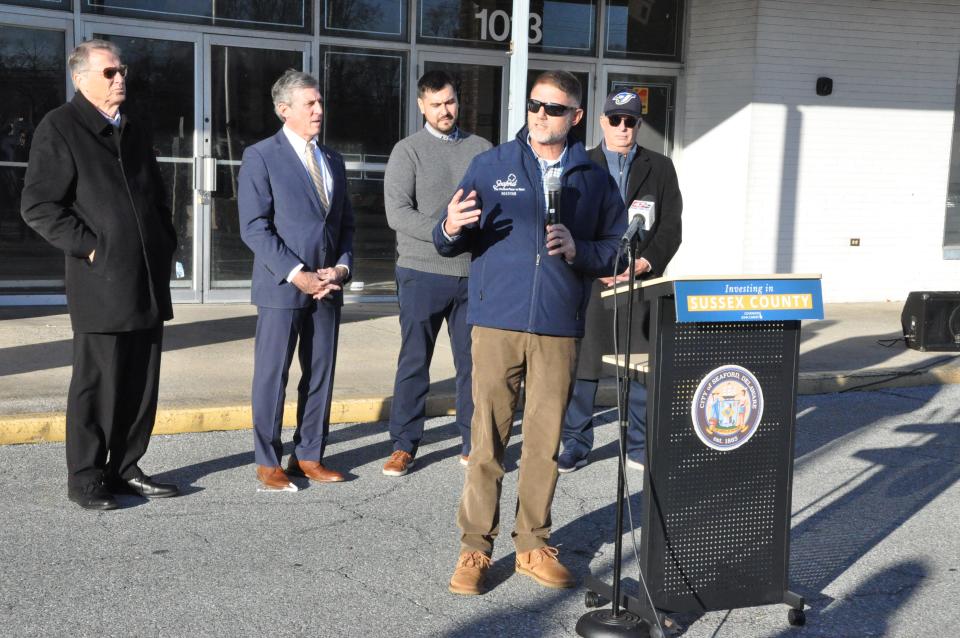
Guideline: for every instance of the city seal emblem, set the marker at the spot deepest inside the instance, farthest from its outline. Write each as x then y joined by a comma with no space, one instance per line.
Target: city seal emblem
727,408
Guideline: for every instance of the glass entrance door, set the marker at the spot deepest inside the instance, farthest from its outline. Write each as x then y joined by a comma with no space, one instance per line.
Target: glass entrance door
480,88
657,95
162,89
206,98
237,112
32,72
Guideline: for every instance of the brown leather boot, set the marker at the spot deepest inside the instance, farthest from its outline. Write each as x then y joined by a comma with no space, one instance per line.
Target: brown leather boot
542,565
469,574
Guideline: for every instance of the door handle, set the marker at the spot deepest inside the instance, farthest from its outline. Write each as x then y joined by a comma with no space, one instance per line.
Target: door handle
205,177
209,174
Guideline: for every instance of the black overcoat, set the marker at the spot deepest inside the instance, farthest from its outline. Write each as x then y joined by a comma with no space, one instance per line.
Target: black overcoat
651,174
90,185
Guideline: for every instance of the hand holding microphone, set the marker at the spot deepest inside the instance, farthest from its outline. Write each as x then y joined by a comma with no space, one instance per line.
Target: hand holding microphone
559,241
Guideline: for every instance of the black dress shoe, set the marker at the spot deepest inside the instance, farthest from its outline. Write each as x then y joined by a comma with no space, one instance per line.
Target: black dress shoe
145,487
93,497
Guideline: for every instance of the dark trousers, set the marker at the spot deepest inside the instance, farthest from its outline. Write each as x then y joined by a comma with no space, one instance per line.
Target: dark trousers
278,332
578,421
111,404
426,299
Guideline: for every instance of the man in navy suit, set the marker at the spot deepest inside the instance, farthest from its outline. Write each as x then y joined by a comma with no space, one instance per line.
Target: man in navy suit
296,217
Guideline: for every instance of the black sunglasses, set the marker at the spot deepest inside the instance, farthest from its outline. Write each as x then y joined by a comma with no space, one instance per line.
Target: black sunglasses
615,120
553,110
110,71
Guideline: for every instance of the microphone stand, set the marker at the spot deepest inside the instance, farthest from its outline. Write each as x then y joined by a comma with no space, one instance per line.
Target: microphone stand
620,620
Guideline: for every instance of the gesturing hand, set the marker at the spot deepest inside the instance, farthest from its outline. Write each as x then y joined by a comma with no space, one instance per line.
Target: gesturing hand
461,212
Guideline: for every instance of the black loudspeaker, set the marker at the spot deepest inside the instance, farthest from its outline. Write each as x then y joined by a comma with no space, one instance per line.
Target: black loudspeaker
931,321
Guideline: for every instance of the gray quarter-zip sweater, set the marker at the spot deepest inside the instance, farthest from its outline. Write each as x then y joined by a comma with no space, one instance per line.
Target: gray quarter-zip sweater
422,175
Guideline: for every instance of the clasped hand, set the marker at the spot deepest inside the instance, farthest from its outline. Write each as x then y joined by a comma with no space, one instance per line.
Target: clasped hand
318,284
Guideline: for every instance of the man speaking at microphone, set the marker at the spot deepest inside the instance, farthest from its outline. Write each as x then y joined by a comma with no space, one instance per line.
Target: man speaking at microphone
649,187
528,290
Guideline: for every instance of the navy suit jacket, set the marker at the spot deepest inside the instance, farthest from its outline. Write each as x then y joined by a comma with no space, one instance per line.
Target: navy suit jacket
283,223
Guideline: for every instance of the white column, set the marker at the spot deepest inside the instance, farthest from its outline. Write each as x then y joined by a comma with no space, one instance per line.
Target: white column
517,97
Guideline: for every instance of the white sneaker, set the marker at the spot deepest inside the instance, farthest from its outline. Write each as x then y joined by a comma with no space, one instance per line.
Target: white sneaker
634,465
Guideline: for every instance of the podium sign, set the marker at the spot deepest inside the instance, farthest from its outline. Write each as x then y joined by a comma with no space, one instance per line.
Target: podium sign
748,300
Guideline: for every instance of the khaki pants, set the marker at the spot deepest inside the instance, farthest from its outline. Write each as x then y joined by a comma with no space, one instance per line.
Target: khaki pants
501,360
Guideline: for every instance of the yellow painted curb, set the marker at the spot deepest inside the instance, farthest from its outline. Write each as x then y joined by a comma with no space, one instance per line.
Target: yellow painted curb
43,428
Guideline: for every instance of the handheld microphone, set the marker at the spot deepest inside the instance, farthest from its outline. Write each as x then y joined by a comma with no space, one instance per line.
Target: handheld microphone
635,229
552,184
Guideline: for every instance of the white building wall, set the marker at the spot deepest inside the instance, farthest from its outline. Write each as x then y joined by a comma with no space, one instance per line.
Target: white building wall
869,162
714,159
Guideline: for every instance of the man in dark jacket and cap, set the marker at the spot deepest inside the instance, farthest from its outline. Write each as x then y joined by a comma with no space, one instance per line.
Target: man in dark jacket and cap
649,187
93,190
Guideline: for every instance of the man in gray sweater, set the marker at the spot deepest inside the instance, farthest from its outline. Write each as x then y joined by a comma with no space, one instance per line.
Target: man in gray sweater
422,175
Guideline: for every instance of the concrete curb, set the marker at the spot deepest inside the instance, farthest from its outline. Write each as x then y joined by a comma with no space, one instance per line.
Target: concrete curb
50,427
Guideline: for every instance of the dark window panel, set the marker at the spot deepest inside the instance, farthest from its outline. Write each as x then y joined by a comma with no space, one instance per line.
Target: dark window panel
62,5
276,15
644,29
375,19
364,100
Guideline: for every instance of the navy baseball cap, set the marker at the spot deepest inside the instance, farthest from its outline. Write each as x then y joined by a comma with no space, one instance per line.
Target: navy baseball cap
623,103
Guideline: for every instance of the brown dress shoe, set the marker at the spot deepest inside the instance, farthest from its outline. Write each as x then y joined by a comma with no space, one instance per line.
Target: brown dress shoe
398,464
542,565
274,480
469,574
313,471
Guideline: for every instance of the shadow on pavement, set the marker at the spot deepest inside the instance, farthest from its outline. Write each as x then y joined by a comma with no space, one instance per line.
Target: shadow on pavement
176,336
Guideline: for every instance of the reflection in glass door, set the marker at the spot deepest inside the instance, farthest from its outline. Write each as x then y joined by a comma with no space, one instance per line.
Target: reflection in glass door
238,112
656,95
32,71
479,89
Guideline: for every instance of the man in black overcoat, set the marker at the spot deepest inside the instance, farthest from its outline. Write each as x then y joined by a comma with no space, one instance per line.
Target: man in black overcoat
93,190
648,184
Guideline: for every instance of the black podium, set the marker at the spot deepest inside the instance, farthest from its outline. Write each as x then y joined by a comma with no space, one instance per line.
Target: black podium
721,379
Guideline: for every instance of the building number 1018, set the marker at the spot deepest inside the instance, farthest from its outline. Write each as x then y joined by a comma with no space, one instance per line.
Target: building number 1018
495,25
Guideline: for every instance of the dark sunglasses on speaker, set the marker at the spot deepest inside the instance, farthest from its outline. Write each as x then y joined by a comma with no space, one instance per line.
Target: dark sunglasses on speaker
554,110
110,71
626,119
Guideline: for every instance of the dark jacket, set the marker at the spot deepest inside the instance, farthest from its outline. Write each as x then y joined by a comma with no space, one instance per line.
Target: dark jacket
283,222
92,186
514,284
651,174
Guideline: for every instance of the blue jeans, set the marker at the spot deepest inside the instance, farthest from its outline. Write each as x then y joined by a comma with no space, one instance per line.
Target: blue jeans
426,299
578,423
